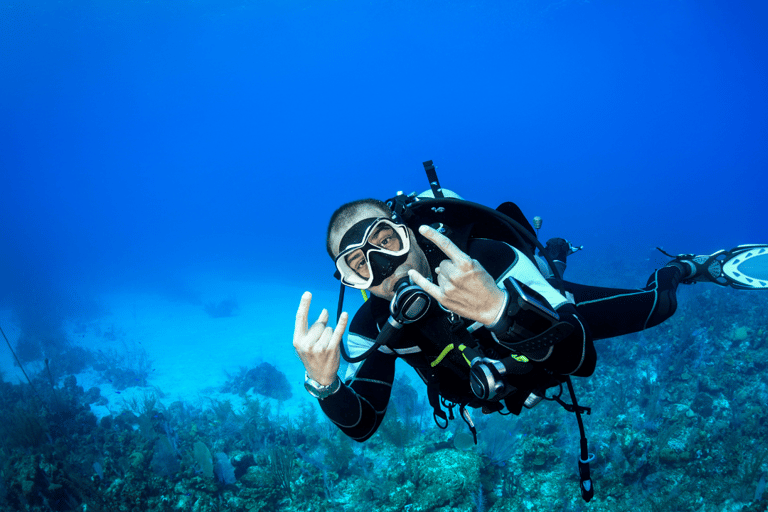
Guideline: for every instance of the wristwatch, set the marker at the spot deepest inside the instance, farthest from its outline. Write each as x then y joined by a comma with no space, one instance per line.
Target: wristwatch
319,391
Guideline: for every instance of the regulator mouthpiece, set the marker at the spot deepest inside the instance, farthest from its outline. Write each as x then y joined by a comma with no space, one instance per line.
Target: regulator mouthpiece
410,302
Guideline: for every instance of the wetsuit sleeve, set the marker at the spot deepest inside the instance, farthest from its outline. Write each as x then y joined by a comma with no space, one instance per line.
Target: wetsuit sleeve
358,407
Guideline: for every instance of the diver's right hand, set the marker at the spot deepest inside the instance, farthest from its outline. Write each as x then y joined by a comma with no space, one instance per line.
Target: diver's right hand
318,346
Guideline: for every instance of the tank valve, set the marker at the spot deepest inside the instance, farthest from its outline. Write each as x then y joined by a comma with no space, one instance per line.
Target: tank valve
537,223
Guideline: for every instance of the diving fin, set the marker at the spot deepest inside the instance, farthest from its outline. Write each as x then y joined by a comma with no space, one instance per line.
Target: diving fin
744,267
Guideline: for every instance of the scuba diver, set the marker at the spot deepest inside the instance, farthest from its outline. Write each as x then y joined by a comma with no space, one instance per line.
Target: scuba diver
458,292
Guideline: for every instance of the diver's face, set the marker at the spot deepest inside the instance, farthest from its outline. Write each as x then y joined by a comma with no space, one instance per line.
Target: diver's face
385,238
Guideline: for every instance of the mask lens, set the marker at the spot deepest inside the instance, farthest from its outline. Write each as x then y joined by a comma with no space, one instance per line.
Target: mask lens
385,237
359,264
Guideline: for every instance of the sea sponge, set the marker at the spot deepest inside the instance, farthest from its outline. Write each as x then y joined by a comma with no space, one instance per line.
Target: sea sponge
740,334
136,459
267,380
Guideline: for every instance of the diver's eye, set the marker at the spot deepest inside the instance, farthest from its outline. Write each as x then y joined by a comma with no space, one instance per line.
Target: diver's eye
360,264
385,238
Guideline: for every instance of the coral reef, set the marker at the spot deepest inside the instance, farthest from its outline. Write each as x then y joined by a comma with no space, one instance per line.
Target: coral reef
263,379
678,423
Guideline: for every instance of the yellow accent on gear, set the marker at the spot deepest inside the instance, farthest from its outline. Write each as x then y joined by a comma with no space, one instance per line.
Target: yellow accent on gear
461,349
442,355
445,353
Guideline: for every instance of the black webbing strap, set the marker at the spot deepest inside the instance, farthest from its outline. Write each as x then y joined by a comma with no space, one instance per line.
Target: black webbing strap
585,480
433,396
587,488
434,184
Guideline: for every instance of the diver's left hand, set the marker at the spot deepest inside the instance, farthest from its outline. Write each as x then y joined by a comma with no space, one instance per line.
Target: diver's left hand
463,285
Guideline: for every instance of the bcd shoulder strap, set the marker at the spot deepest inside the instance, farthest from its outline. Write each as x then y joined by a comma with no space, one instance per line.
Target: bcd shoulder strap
461,220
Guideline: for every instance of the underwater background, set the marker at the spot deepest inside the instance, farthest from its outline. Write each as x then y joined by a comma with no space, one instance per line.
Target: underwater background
168,170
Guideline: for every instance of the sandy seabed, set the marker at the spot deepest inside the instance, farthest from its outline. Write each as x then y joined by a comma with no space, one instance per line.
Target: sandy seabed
189,354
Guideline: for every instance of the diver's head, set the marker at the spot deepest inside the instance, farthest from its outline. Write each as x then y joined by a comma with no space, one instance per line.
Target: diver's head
342,219
371,251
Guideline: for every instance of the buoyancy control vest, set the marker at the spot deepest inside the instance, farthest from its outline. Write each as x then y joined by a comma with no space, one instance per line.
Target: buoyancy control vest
444,340
445,344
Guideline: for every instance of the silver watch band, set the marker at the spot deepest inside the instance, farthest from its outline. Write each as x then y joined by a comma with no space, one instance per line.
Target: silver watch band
319,391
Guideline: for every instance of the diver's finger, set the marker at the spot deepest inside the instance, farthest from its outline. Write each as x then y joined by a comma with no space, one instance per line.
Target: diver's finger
425,284
316,330
444,244
302,313
338,332
323,340
323,318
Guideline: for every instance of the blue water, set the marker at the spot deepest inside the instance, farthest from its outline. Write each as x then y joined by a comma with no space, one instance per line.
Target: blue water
164,148
145,138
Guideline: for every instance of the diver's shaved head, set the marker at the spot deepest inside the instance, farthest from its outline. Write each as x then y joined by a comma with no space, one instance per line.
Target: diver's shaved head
347,212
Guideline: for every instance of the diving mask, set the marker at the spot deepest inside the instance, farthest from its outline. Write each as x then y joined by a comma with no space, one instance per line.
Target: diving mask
371,251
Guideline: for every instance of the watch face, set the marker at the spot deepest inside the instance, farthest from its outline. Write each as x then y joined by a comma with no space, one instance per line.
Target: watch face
311,389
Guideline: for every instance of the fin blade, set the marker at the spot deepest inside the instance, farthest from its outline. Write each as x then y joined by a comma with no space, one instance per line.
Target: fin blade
746,267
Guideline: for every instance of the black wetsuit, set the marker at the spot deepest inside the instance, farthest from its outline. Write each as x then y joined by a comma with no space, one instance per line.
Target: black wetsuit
595,313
